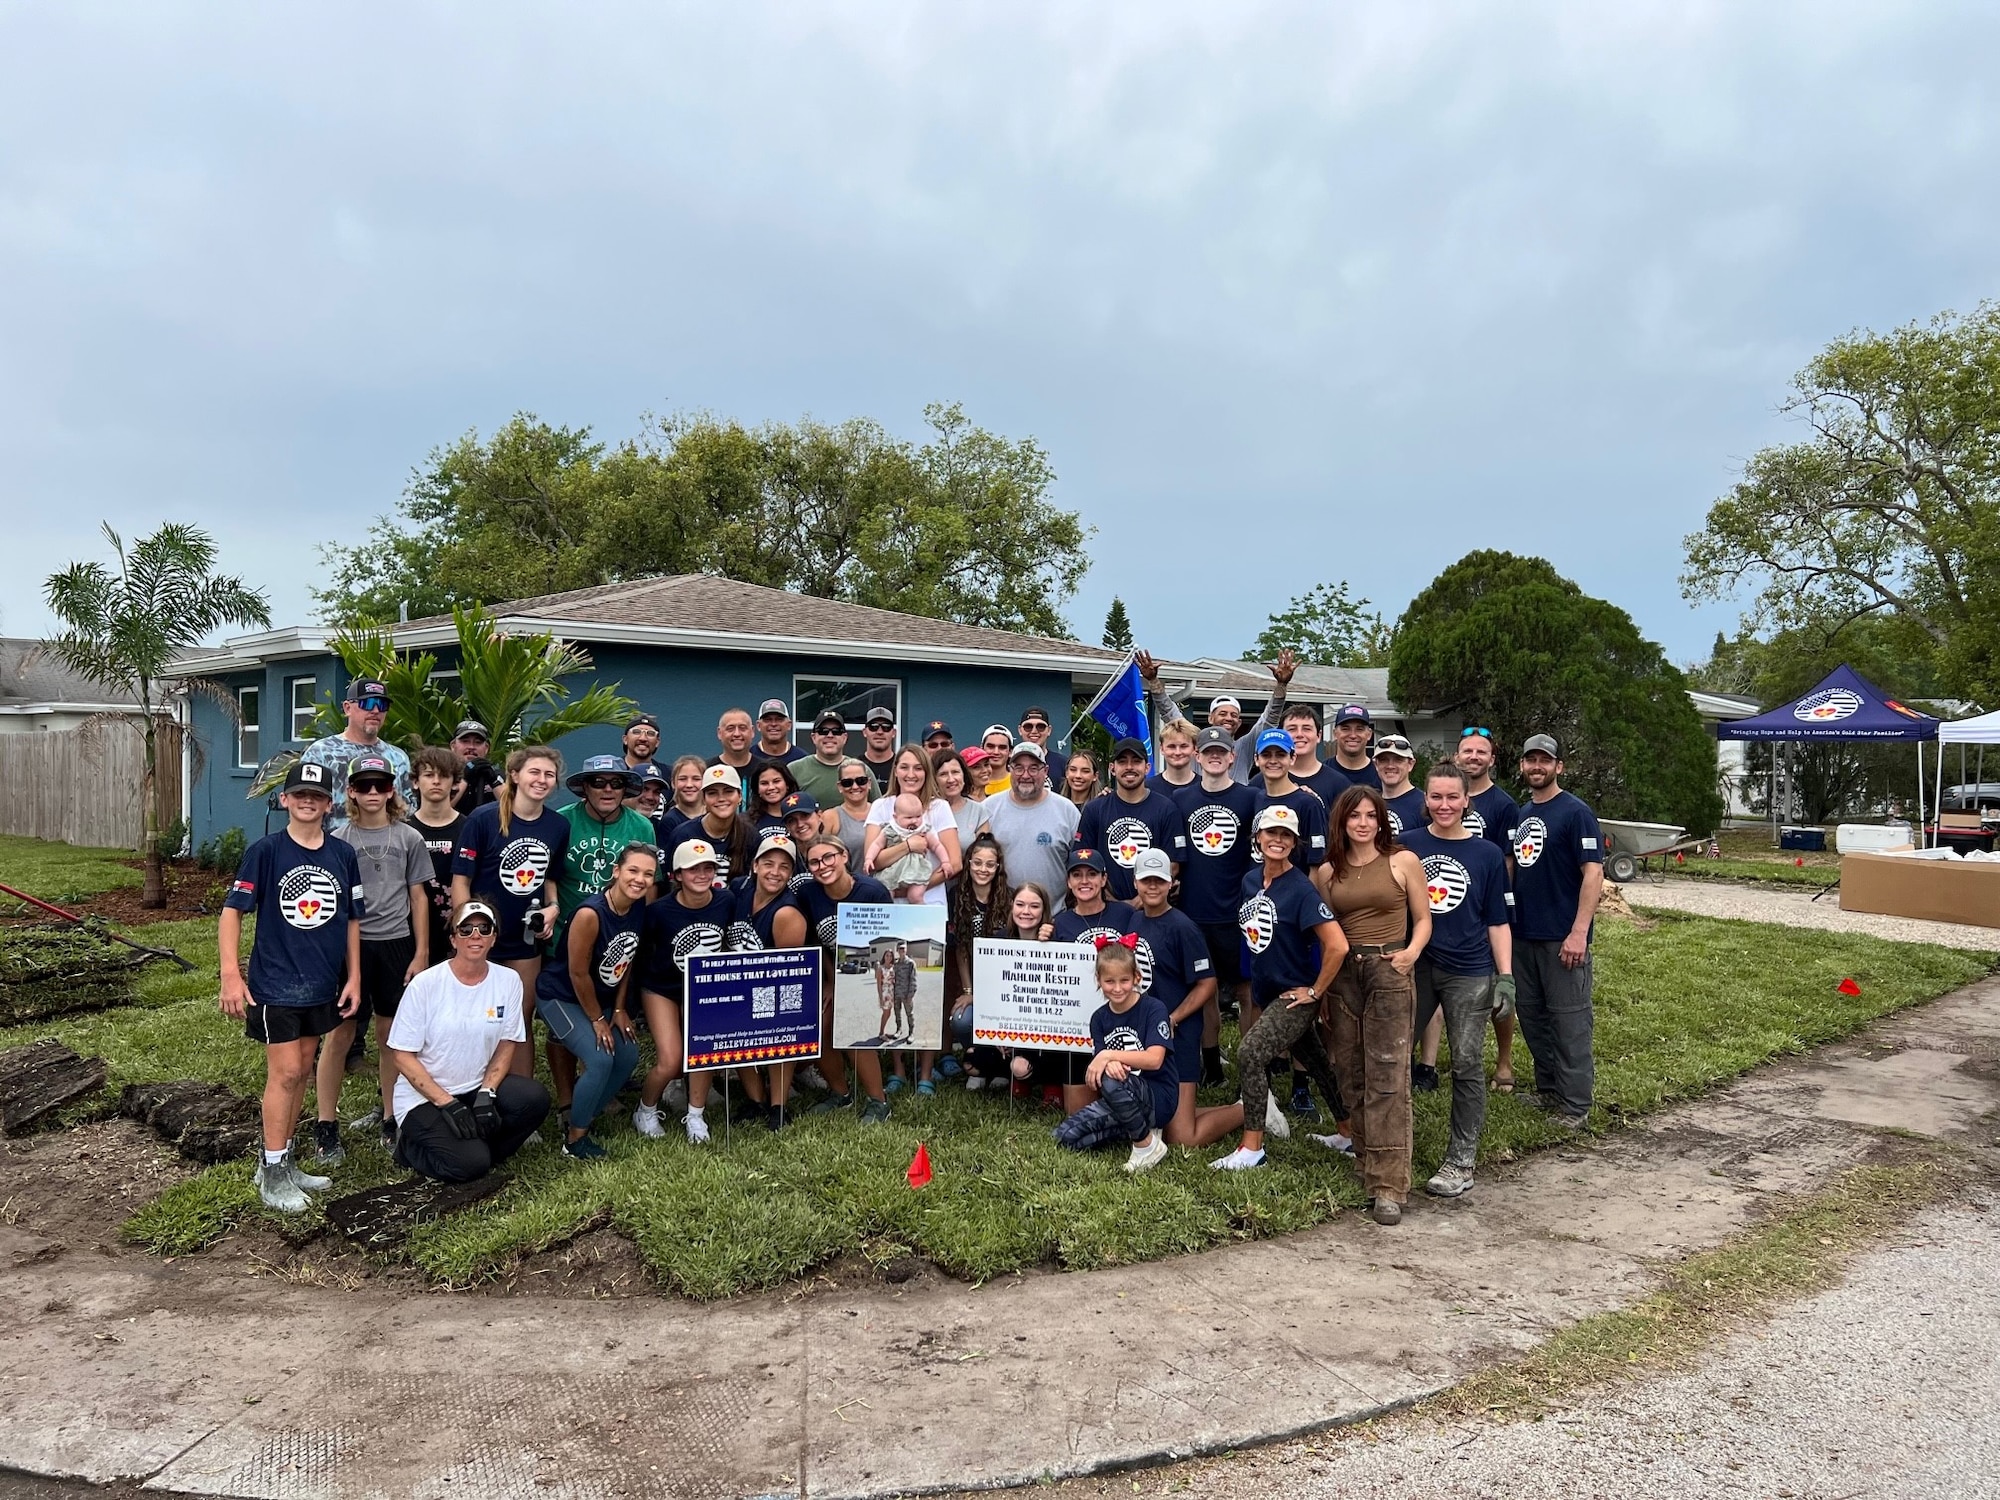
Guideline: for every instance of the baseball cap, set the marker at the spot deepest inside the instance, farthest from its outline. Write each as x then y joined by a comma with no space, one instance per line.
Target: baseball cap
1275,739
604,765
1034,711
370,764
1353,713
1394,744
695,852
878,715
1152,864
829,720
1028,747
1129,746
1212,739
772,841
992,729
309,776
772,706
649,720
721,776
1278,816
473,909
1223,700
471,727
1546,743
366,687
973,755
651,775
938,727
1088,859
798,802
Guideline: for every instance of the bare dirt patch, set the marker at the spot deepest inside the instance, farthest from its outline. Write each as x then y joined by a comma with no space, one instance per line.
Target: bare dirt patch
77,1187
191,892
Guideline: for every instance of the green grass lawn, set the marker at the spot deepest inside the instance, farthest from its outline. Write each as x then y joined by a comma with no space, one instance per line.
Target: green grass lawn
1681,1005
58,872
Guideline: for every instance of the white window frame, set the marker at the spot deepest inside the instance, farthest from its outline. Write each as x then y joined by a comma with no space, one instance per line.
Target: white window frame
299,717
250,723
802,721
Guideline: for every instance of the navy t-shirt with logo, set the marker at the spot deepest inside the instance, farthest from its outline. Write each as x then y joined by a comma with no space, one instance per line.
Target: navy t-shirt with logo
1148,1023
670,934
1366,776
1173,956
1553,841
1327,783
1310,848
303,900
1114,921
614,952
507,870
1124,830
1492,817
1406,812
1219,850
1467,882
823,912
1279,925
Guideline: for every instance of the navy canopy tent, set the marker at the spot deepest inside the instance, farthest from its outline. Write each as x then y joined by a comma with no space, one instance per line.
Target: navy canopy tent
1846,706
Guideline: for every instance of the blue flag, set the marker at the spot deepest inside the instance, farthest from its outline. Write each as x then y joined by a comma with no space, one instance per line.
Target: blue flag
1121,709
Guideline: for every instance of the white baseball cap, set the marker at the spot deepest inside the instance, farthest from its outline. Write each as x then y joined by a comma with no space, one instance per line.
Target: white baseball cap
774,841
721,776
695,852
1153,864
1277,816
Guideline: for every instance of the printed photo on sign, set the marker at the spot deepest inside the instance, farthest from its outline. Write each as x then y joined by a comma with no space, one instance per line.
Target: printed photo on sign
1038,996
748,1009
888,984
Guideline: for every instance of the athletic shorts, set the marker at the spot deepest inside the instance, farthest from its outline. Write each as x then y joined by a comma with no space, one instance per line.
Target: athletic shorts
384,962
1187,1048
1225,953
289,1023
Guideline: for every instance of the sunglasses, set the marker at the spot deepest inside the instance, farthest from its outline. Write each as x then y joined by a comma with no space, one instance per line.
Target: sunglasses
475,929
1034,724
829,731
1469,731
371,786
854,780
372,705
604,783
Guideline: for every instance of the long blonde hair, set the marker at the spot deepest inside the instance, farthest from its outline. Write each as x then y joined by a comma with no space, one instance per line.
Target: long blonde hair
503,795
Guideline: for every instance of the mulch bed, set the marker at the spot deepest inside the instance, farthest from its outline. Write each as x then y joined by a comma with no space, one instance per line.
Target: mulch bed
190,893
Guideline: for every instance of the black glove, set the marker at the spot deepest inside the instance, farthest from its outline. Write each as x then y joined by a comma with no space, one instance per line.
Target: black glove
486,1111
461,1120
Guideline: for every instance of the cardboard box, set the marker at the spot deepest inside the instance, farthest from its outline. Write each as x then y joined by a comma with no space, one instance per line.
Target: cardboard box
1933,890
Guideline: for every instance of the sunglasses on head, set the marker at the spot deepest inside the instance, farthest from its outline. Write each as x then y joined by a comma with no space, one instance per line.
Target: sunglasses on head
1468,732
854,781
478,927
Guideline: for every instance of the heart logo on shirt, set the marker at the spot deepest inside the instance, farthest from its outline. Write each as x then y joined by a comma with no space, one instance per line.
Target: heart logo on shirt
308,910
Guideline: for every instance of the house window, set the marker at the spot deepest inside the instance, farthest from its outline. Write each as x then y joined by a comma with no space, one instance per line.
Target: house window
247,700
304,697
449,683
850,697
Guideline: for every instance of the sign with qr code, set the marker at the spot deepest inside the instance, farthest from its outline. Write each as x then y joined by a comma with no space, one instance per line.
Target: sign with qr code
748,1009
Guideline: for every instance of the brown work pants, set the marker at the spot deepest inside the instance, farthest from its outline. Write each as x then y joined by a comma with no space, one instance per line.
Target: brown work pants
1374,1014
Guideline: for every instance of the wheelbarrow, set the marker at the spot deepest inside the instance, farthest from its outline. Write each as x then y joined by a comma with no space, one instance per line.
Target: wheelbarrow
1628,846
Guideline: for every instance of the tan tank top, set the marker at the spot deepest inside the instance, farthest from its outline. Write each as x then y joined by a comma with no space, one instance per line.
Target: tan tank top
1370,905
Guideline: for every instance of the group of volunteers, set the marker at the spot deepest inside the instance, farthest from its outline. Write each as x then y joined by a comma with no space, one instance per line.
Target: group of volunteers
1346,916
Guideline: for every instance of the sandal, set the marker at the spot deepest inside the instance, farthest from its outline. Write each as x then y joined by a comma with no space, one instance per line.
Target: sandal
1502,1085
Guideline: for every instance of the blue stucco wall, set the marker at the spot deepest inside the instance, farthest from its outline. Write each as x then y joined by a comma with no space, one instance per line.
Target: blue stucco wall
689,690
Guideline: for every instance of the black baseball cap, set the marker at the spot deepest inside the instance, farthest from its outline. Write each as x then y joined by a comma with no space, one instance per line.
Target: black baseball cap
1088,859
366,687
1213,738
829,720
651,721
309,776
1129,746
471,728
1034,711
1352,713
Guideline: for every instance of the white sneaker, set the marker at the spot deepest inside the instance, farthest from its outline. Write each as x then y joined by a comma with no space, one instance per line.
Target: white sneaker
1238,1160
646,1120
1275,1123
279,1189
974,1082
812,1078
697,1128
676,1097
1336,1142
1147,1153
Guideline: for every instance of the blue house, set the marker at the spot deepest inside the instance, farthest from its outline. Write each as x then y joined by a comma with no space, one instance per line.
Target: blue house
687,647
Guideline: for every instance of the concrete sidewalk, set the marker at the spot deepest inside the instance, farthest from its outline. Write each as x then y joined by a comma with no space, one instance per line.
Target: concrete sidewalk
271,1390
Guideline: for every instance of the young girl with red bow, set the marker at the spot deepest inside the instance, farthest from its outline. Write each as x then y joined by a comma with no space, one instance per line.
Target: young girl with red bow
1133,1068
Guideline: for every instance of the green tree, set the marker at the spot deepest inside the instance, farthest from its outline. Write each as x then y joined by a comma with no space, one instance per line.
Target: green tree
1891,505
1117,626
123,630
959,528
1325,627
1508,642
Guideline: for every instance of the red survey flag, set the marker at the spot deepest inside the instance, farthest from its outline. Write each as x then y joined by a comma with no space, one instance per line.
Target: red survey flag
1848,987
920,1167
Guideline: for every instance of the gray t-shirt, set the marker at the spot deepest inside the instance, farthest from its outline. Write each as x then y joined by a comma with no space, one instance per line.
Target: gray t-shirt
392,860
1034,838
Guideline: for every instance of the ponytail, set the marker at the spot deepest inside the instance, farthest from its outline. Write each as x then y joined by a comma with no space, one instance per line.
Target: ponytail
503,795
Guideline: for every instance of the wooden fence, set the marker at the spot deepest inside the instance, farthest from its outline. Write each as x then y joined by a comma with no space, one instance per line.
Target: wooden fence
81,786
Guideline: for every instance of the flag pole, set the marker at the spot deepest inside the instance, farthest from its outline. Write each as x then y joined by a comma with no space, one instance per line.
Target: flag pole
1130,657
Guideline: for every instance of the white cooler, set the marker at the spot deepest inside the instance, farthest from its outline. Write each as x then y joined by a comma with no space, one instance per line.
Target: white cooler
1871,838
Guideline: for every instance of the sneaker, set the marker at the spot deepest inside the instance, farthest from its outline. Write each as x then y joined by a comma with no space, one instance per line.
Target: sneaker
534,1139
974,1082
279,1189
747,1112
1275,1123
810,1077
777,1119
948,1066
1451,1181
831,1104
875,1112
1385,1211
583,1148
676,1097
1423,1078
926,1088
1302,1104
1212,1075
1238,1160
326,1143
646,1120
895,1084
1572,1123
389,1133
357,1062
697,1128
1147,1153
1334,1142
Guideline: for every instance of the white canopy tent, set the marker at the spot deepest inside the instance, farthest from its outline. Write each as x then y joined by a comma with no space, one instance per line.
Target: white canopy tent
1982,731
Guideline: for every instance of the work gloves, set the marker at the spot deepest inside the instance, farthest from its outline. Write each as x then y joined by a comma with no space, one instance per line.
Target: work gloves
1503,997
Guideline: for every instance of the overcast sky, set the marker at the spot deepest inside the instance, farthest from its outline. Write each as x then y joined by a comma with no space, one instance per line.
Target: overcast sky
1289,292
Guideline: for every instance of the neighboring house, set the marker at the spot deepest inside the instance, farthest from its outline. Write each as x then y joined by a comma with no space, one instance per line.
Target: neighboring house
38,693
686,647
1732,763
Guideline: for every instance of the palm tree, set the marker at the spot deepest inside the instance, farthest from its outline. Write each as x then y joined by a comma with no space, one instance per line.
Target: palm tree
122,630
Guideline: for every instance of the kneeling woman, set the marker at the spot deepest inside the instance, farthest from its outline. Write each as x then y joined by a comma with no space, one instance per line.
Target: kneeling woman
584,1000
459,1111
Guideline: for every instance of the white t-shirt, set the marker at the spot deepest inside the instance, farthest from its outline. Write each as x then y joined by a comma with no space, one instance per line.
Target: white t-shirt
455,1028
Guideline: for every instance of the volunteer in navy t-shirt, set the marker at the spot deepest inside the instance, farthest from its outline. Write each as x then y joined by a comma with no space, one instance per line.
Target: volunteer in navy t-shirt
303,900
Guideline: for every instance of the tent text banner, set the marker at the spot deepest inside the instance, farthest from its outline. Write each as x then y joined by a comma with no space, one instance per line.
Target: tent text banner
1035,995
744,1009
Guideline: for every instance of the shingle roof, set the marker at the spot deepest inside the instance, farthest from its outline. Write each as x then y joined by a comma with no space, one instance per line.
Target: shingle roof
29,674
701,601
